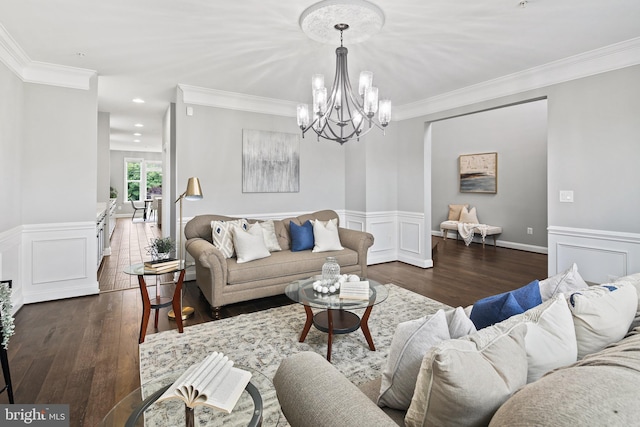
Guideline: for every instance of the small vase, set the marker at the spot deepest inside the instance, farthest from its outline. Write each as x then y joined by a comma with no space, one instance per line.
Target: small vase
330,270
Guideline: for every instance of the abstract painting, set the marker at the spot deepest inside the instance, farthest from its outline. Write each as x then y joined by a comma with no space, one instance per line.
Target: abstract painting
270,162
479,173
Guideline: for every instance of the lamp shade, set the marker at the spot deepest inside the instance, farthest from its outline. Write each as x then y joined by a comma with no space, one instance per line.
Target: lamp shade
194,192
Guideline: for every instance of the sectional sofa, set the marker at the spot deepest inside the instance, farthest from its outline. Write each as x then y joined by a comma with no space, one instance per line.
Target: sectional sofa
224,280
572,360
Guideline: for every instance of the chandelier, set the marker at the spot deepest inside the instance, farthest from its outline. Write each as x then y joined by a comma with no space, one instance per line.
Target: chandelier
341,115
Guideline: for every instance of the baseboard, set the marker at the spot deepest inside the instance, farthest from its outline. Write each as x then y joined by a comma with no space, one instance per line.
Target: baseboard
452,235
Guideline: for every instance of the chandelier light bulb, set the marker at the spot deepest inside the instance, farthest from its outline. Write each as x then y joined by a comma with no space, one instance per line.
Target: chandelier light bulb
303,115
320,101
366,81
384,112
371,101
317,82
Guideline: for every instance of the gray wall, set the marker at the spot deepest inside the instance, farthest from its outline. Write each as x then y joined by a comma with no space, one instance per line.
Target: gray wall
11,112
592,149
209,146
103,157
59,154
519,135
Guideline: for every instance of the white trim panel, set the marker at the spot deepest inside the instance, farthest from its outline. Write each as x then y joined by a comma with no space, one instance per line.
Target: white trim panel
59,261
601,256
414,245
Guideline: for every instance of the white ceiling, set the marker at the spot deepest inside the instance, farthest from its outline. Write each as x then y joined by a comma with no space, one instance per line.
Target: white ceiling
145,48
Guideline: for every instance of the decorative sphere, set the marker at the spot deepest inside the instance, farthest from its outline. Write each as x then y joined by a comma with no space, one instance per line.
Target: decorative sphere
353,278
325,289
337,285
332,288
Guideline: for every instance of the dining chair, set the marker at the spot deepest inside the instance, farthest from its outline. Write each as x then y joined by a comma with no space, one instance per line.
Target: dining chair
136,209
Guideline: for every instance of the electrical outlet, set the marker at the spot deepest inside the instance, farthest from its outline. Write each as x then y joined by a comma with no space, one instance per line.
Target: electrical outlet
529,230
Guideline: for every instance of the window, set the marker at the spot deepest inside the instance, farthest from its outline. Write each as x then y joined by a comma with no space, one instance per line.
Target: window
143,179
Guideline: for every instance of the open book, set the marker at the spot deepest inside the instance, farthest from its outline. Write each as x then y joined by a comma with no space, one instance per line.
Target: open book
213,382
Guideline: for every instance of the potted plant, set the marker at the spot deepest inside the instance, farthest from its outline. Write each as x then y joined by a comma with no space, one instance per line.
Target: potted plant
161,247
113,193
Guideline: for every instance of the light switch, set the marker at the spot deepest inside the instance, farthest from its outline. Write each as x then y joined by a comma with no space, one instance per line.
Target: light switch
566,196
189,111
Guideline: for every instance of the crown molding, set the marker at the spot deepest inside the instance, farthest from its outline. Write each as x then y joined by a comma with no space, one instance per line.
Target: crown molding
16,59
609,58
236,101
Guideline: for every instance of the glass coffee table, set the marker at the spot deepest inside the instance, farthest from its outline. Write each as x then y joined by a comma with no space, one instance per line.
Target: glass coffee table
335,317
258,405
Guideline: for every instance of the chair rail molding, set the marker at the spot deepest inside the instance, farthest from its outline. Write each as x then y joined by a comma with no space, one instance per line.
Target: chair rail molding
601,255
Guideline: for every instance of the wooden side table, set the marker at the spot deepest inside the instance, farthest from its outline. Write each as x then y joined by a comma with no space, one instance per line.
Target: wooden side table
158,302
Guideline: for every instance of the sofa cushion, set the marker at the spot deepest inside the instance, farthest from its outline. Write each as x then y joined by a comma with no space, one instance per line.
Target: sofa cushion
602,315
269,235
301,236
464,381
410,342
297,265
550,341
222,234
459,323
633,279
249,245
564,282
454,212
325,236
599,390
496,308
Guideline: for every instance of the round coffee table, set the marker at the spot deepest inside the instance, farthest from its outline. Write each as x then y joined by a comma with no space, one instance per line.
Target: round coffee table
335,317
258,405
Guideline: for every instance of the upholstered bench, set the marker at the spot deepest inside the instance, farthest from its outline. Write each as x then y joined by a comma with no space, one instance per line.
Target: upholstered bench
492,230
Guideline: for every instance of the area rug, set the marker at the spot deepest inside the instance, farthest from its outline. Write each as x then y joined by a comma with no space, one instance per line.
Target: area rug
262,340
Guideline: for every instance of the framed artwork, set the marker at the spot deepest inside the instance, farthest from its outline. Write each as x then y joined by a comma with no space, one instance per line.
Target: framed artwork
270,162
478,173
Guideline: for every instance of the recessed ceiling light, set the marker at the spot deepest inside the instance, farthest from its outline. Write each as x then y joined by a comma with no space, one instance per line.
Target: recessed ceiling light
136,140
137,134
139,125
138,100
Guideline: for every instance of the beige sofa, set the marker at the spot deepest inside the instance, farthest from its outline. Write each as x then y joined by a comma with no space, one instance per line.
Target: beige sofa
224,281
600,388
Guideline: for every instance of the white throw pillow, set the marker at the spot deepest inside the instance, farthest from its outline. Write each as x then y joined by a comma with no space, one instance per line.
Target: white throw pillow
632,279
249,244
565,282
463,381
222,234
459,323
551,338
410,342
469,216
602,315
326,237
269,234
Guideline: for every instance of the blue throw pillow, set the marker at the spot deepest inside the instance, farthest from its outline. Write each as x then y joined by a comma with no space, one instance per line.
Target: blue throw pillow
496,308
301,236
528,296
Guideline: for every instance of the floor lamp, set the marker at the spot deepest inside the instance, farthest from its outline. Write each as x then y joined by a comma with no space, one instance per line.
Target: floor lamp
193,192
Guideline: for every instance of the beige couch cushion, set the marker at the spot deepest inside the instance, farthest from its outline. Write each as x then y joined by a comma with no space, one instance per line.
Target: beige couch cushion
464,381
599,390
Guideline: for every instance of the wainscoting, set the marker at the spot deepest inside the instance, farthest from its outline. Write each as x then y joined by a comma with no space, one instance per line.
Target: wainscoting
601,256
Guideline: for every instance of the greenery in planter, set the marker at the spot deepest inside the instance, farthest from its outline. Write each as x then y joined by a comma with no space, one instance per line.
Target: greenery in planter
5,314
160,245
113,193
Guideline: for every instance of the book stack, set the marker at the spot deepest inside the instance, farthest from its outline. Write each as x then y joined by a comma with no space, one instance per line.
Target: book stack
162,265
214,382
355,290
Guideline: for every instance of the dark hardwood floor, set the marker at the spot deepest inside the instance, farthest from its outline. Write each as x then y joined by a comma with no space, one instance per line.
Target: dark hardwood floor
84,351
